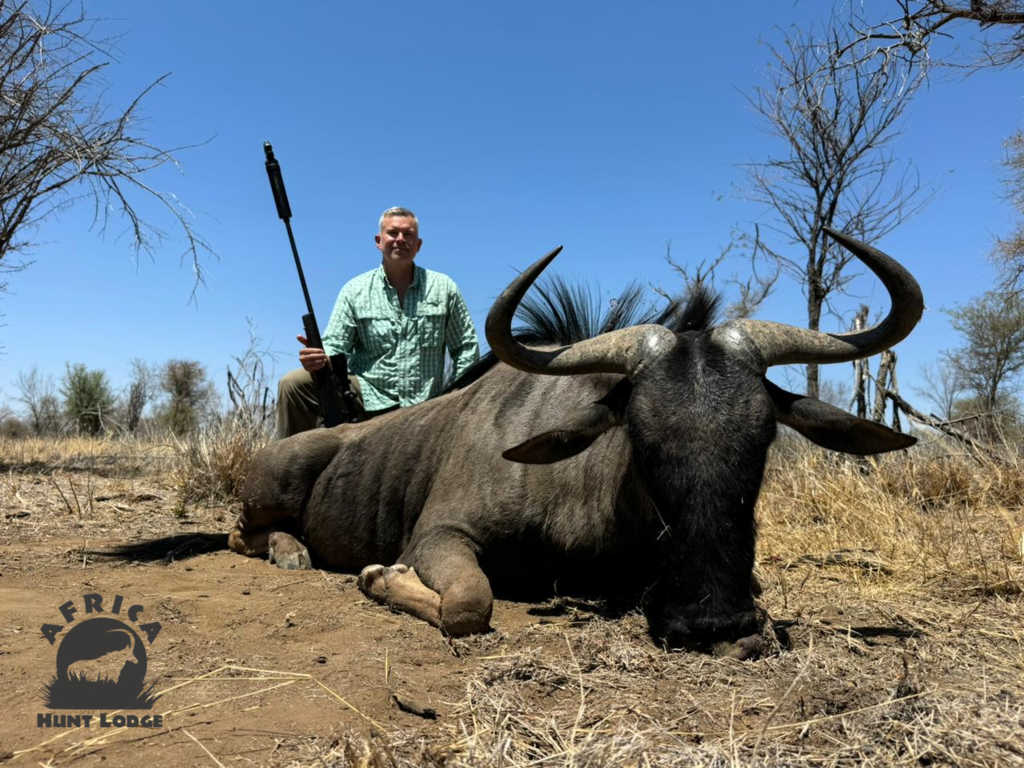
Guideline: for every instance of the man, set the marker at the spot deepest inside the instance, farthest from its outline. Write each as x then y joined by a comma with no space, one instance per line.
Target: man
394,324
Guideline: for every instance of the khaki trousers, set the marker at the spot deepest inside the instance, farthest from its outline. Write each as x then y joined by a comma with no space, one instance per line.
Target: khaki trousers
298,402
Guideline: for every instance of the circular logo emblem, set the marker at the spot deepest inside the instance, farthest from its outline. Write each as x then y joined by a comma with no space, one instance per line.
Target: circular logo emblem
101,664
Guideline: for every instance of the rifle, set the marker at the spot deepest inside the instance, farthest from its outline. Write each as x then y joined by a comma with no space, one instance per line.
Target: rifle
332,378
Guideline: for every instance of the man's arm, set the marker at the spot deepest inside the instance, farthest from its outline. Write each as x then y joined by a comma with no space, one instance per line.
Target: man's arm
341,332
460,335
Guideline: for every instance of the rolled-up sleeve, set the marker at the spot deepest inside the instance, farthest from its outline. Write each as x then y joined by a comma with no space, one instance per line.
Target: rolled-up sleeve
460,336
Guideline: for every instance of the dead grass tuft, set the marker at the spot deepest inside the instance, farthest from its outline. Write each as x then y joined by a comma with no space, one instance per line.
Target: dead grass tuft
211,464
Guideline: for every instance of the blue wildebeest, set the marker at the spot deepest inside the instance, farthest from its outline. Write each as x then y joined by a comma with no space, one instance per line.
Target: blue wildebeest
626,465
107,665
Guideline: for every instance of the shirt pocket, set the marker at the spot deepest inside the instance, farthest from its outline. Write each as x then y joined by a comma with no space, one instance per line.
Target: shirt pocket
430,328
376,335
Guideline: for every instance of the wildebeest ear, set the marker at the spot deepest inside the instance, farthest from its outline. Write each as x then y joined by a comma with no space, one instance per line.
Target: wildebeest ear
832,427
574,435
576,432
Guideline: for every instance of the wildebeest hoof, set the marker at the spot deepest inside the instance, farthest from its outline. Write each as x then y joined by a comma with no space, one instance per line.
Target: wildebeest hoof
286,552
375,579
766,642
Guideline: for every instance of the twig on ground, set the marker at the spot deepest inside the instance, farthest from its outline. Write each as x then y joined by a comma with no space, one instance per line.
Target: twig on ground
203,747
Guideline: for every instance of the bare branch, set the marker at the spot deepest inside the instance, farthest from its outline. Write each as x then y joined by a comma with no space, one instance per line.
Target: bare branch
939,424
751,292
909,36
944,386
57,143
755,289
703,275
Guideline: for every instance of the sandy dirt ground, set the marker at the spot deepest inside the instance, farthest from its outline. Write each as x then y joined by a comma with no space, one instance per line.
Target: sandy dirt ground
253,658
256,666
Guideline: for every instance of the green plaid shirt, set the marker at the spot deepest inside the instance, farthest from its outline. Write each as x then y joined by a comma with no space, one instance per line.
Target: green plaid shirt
397,352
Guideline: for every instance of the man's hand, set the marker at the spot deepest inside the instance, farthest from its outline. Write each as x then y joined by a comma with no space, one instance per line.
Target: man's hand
311,358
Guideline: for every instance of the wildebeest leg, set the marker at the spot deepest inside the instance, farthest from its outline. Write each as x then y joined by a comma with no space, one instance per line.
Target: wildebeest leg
399,587
277,486
753,646
454,593
447,563
281,548
251,543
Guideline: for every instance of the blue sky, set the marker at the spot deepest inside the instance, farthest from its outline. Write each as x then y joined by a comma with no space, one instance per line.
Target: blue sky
510,128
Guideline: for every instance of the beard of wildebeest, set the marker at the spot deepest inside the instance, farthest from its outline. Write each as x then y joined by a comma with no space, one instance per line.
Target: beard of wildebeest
701,424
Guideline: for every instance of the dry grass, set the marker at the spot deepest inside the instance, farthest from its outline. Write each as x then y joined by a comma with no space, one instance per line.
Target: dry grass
96,490
85,478
921,703
211,464
948,525
104,456
207,466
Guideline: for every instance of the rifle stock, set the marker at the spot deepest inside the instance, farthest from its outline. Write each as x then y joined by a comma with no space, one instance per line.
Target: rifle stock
326,379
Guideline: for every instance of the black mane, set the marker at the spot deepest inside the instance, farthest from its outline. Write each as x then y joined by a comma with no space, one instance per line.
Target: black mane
560,313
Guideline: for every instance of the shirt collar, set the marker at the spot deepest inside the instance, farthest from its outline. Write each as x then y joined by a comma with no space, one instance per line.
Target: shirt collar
417,273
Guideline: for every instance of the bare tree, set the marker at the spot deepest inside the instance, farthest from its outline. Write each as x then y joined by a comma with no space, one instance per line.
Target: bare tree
38,394
909,34
252,403
59,143
753,290
860,368
885,381
11,426
1009,252
992,358
944,386
836,393
701,276
834,121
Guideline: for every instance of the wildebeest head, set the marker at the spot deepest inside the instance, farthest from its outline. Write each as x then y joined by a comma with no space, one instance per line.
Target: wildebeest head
700,416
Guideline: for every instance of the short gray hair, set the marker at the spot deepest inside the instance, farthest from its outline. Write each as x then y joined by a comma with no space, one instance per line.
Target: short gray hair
397,210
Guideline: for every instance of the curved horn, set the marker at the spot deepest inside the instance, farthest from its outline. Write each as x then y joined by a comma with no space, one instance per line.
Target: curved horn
132,638
621,351
780,344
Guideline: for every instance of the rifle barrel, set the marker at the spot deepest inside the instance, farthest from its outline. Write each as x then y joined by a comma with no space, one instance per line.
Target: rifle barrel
284,211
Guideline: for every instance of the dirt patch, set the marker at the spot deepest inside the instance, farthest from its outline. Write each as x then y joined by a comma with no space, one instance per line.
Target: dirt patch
255,666
251,658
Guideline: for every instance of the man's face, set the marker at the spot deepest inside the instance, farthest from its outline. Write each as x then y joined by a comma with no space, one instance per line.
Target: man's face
398,240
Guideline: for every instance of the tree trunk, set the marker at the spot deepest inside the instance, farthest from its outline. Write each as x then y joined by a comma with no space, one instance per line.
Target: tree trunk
814,300
860,369
885,379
